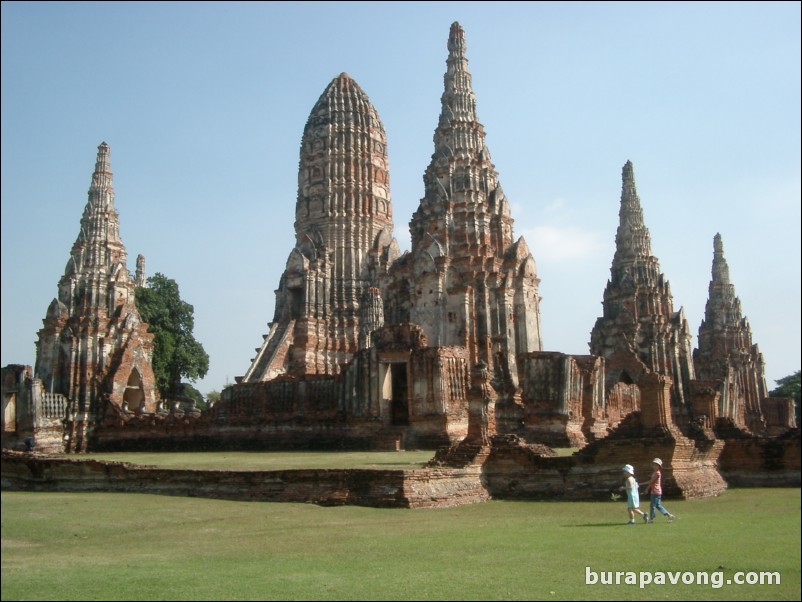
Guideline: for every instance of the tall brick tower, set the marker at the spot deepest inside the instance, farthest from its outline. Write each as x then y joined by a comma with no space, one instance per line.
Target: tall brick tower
93,345
726,352
343,232
639,318
467,282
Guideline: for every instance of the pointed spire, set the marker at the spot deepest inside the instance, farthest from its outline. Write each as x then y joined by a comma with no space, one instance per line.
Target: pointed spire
632,238
721,271
464,224
461,172
458,102
96,310
725,351
723,308
718,245
101,189
629,192
460,161
638,306
100,222
456,39
457,62
720,274
98,245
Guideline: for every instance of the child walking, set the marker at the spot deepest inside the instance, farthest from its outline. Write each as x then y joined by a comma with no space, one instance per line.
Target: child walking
655,490
633,497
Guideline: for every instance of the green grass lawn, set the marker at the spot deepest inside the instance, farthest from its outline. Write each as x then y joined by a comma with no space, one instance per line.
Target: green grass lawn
100,546
268,460
260,460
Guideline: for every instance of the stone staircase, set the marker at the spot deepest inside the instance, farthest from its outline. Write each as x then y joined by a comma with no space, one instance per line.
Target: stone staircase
273,351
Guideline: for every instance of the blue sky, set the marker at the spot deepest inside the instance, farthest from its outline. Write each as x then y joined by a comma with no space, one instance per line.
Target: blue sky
203,106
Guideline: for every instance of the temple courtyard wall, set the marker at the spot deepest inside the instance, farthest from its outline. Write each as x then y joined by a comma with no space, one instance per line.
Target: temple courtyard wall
424,488
762,461
507,469
176,434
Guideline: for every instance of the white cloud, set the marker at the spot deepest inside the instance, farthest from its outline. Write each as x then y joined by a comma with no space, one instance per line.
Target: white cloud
568,244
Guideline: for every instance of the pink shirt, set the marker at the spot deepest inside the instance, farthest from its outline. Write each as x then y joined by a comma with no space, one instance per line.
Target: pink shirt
655,485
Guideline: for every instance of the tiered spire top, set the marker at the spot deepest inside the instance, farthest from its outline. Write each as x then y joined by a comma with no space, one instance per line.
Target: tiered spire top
98,245
632,239
102,178
726,352
461,171
723,307
458,100
721,271
456,38
99,224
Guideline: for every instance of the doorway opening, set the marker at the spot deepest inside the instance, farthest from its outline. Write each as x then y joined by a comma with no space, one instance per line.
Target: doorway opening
400,402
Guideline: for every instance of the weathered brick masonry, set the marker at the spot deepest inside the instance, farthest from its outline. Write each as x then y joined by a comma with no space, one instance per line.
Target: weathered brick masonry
371,348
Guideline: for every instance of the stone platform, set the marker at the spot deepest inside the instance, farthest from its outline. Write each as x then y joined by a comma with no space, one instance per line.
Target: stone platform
424,488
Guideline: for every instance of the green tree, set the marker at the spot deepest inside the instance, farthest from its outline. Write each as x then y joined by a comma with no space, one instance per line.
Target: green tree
192,393
790,387
176,354
212,397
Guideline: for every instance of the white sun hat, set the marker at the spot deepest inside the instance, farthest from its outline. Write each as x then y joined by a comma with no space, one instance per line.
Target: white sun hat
628,468
658,461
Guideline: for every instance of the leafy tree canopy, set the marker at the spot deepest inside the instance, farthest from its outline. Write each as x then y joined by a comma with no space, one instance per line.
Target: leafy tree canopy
176,354
192,393
790,387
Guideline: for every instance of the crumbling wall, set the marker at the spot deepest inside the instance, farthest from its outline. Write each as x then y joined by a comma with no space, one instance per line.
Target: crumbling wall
443,487
553,389
751,461
779,414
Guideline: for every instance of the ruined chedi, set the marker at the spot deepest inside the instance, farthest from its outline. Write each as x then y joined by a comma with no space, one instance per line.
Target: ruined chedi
139,275
466,282
343,232
639,330
726,353
389,342
93,346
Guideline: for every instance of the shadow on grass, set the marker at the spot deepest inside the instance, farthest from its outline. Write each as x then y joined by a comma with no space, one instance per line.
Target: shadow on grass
598,525
400,465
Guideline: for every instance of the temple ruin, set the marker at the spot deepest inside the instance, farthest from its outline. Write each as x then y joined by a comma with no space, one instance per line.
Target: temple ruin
343,240
93,352
391,338
726,354
436,347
